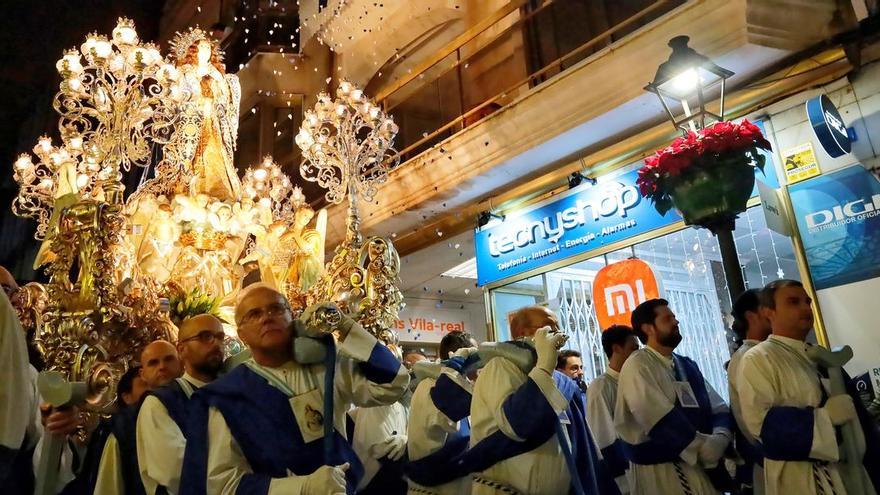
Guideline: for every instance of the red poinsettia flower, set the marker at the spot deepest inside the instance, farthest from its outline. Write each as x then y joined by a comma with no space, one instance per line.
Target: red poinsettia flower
695,151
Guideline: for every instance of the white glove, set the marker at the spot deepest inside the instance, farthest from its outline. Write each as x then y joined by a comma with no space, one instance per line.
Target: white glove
326,480
393,448
712,449
464,352
547,344
317,324
840,409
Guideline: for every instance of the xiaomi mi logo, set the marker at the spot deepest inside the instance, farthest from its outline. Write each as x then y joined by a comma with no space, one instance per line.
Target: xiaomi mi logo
619,288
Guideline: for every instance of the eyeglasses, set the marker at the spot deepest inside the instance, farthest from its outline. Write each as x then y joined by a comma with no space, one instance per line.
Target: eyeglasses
257,314
206,337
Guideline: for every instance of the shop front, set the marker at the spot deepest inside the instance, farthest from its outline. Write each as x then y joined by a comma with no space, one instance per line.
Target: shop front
594,252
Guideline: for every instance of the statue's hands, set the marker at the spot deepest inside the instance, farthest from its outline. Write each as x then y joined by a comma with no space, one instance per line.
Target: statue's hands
325,318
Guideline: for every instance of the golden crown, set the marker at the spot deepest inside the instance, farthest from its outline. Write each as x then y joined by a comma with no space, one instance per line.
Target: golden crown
182,41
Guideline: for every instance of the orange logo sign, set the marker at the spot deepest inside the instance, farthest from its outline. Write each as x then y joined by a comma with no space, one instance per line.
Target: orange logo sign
619,288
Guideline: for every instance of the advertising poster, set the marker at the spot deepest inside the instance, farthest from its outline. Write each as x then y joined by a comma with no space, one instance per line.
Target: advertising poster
800,163
838,216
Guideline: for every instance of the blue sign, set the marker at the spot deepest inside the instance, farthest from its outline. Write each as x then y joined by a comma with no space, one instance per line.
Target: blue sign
838,216
582,219
828,126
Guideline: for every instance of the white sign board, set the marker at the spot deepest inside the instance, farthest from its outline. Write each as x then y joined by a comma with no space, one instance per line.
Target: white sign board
425,324
775,213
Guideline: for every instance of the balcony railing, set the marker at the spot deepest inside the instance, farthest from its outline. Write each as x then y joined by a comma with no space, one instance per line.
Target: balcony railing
519,47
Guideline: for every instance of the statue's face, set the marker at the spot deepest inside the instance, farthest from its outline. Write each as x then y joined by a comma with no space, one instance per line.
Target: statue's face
204,54
303,217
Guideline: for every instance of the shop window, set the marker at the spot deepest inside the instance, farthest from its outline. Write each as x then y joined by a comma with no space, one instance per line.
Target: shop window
687,265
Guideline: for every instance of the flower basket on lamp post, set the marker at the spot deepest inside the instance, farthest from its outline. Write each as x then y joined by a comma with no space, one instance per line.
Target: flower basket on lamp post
708,176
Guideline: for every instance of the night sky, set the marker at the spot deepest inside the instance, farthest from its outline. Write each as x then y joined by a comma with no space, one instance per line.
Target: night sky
33,35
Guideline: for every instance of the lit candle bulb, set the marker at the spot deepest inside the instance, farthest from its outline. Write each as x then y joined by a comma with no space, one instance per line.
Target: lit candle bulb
102,48
23,162
87,47
124,32
44,145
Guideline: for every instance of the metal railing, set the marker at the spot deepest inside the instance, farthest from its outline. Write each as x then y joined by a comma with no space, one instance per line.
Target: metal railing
438,98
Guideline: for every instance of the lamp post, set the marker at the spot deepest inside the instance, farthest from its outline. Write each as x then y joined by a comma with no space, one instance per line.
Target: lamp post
685,84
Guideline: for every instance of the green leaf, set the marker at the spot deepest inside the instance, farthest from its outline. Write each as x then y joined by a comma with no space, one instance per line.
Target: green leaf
662,205
760,160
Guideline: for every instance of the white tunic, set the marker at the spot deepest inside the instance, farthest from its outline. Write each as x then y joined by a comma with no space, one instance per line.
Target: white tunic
17,394
601,399
226,461
777,376
541,471
646,394
20,423
428,430
160,443
372,426
733,379
109,480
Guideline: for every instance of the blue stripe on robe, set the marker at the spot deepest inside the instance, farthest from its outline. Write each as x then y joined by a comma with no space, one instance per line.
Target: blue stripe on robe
787,433
527,410
677,429
614,459
124,425
666,440
445,465
261,421
175,401
450,398
381,367
594,476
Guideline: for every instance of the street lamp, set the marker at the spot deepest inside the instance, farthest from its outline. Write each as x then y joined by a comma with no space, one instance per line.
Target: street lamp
685,83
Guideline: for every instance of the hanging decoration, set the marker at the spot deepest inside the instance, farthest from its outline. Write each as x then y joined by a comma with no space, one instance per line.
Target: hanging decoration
707,175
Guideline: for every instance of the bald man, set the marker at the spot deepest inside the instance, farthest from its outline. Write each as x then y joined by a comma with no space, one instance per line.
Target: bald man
160,363
526,421
161,432
262,428
118,471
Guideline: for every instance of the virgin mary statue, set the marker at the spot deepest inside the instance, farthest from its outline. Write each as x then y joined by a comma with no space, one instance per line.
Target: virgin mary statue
206,139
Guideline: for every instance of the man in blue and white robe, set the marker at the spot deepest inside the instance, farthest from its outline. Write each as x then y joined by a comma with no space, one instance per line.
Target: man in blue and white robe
618,342
674,426
439,428
528,428
261,428
786,406
751,328
161,421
